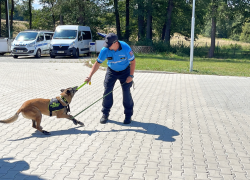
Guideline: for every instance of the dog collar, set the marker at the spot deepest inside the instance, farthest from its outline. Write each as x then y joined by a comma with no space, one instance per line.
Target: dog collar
63,100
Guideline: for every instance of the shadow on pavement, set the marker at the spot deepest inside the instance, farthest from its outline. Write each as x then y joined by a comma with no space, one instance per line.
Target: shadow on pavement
38,134
164,133
14,170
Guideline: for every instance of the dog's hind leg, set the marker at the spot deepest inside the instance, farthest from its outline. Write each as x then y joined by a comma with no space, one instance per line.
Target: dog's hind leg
35,115
38,126
33,123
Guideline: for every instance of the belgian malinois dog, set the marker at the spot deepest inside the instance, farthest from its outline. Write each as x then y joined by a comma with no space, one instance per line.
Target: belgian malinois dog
34,108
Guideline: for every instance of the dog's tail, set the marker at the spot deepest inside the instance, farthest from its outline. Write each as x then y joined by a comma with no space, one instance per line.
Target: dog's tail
11,119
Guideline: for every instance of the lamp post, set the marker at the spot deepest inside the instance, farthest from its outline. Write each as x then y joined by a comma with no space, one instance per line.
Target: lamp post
192,39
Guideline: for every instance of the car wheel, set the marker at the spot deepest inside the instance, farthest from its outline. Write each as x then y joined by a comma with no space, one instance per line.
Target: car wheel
76,55
15,56
38,53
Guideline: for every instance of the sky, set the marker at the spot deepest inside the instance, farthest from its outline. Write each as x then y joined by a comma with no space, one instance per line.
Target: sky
36,4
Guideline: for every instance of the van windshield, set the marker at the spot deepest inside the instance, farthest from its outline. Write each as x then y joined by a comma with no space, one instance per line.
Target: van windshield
65,34
26,36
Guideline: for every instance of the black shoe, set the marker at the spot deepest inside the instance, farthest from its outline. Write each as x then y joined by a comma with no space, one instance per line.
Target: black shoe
104,119
127,120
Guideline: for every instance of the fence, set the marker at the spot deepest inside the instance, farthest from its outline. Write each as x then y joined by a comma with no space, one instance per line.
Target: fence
142,49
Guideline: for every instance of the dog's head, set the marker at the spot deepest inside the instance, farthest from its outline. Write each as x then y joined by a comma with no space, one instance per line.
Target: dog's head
69,92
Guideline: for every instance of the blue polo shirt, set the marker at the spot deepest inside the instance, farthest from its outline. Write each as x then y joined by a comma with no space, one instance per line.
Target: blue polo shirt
117,60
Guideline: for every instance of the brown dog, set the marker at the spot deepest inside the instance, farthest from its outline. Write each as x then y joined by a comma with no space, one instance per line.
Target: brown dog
34,108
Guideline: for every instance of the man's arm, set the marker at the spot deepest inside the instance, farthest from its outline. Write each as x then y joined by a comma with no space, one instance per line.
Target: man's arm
93,70
132,70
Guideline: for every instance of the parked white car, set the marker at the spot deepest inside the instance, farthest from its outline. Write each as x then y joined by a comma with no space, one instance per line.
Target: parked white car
31,43
70,40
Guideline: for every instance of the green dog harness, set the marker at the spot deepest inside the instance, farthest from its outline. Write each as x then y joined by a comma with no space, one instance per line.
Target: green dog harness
56,105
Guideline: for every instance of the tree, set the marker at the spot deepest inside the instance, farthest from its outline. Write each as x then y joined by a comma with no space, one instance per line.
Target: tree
49,5
117,18
245,35
6,18
127,33
11,17
214,7
149,20
168,21
30,13
0,18
140,20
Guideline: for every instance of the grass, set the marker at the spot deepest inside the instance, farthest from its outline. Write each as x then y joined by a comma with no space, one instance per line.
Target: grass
178,64
205,41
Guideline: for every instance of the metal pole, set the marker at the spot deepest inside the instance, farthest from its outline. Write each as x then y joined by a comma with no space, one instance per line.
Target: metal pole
192,38
8,18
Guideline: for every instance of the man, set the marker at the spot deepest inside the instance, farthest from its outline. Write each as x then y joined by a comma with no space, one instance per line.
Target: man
121,66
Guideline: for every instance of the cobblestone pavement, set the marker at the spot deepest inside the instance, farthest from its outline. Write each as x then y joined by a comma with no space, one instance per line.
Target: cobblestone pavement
184,126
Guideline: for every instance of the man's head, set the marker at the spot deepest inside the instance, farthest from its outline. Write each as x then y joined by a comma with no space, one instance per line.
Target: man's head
111,41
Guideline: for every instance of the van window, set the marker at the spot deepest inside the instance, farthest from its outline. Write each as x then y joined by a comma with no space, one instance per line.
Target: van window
65,34
86,35
40,37
79,35
48,36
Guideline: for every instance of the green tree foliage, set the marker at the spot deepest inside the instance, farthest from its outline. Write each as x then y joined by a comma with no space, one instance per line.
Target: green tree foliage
245,35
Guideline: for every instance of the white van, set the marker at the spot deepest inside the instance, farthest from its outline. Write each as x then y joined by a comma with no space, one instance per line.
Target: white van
70,40
31,43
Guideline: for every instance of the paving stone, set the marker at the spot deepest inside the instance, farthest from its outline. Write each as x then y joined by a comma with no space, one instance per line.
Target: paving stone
185,127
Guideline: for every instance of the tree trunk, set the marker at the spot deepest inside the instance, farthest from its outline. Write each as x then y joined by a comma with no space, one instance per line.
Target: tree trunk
213,33
117,18
11,17
168,22
61,19
149,20
0,18
140,20
163,32
7,18
30,13
127,21
81,10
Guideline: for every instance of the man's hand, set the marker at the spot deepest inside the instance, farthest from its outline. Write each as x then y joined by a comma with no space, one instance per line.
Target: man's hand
129,79
88,79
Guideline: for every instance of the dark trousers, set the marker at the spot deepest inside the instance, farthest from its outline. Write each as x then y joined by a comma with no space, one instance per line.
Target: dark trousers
109,82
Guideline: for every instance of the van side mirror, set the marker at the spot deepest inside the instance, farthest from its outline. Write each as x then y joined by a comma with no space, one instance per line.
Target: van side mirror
80,38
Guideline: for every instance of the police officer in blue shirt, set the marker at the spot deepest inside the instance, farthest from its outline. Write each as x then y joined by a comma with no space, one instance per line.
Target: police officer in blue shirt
121,66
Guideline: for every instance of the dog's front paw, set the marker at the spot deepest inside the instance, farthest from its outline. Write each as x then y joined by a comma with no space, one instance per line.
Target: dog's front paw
46,132
74,121
81,123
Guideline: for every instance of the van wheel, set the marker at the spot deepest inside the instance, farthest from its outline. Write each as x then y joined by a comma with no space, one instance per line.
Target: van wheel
87,54
38,53
76,55
15,56
52,56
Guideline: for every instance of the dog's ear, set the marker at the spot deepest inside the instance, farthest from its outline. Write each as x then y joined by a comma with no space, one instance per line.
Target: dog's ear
62,90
